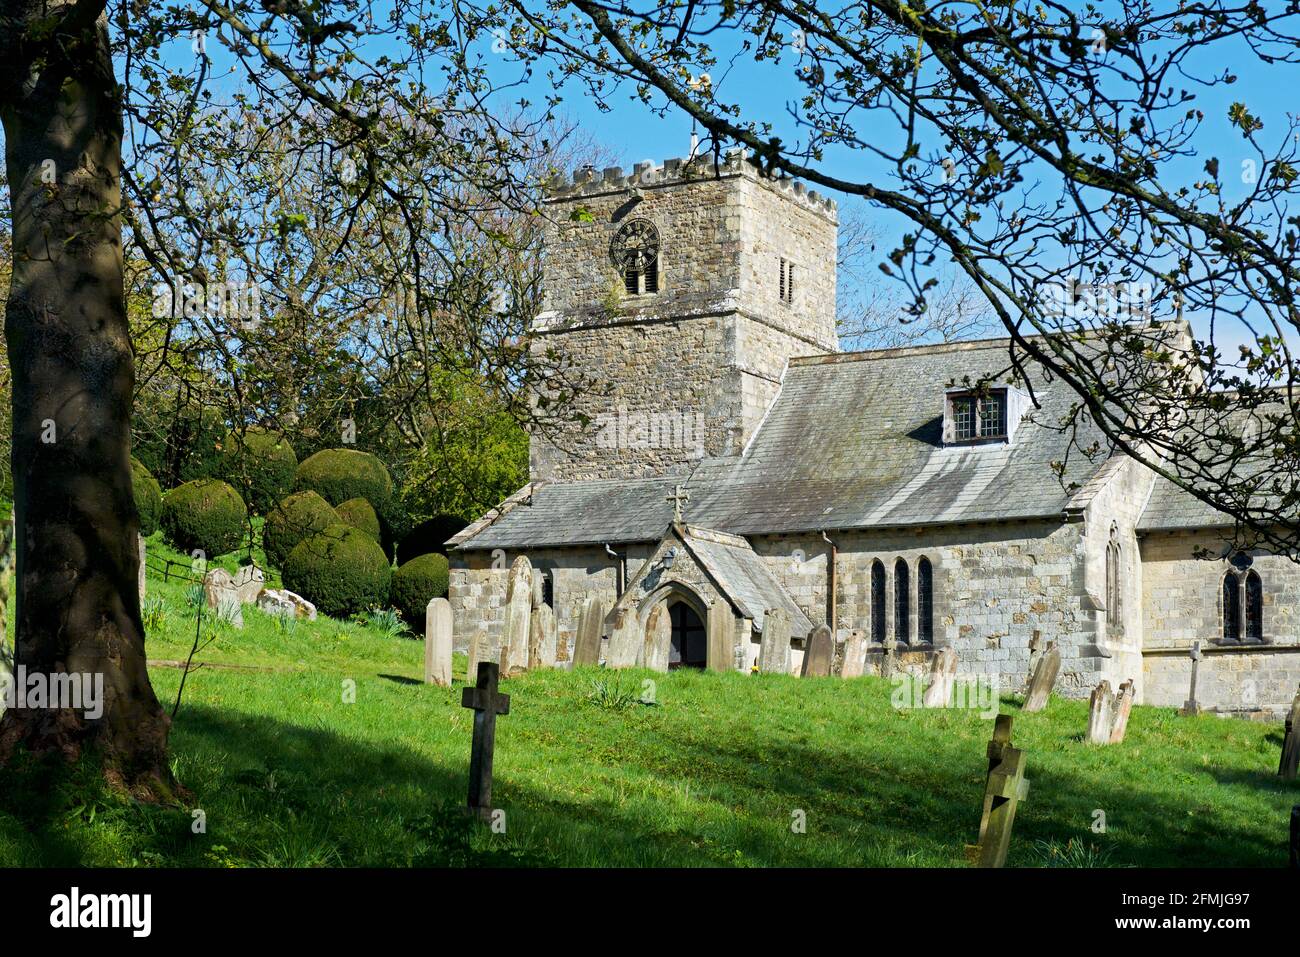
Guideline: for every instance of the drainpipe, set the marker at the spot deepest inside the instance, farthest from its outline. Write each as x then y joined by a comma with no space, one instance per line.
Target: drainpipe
830,586
621,570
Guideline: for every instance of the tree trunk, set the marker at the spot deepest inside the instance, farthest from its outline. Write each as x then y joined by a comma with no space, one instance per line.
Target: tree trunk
78,609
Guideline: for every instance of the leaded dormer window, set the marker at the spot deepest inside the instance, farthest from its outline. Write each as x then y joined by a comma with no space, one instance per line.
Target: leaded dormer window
975,416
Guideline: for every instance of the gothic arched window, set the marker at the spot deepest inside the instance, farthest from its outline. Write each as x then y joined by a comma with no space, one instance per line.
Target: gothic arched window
1231,607
635,253
878,601
924,602
1114,599
1254,606
902,602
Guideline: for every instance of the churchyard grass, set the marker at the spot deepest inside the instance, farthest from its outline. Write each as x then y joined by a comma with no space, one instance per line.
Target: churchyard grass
291,769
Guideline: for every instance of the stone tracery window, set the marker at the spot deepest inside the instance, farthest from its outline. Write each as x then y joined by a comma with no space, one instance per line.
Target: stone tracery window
877,601
1243,602
924,602
902,603
1114,593
635,254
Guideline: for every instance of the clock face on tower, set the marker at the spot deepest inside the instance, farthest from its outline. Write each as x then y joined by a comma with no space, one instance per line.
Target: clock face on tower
635,245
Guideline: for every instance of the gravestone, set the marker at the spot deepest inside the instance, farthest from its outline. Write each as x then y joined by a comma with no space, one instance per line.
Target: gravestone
1004,789
437,643
586,644
1291,743
1043,679
140,579
888,658
818,654
519,611
543,639
625,640
487,703
1101,714
477,652
286,604
249,582
220,595
943,675
1123,707
658,643
1035,652
774,646
1190,707
720,633
855,655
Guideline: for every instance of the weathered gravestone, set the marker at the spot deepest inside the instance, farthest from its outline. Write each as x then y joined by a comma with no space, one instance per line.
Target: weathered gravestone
519,610
774,647
487,703
888,658
1004,788
855,655
1123,708
1101,714
1190,707
437,643
248,583
658,643
586,644
1291,743
140,579
1035,652
818,653
625,640
477,652
943,675
220,595
1043,679
543,638
285,604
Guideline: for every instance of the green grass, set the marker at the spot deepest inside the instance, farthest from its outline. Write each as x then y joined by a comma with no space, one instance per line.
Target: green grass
339,756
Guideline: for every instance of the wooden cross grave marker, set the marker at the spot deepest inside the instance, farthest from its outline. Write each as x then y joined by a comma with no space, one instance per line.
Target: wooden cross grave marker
487,703
1004,789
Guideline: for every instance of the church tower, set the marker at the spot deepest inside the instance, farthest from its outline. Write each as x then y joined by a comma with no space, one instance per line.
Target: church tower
673,298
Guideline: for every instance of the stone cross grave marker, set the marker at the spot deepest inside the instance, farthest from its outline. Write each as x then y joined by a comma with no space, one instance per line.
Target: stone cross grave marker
1191,707
586,644
1004,789
437,643
625,640
888,658
774,647
1287,767
1043,679
487,703
1035,652
519,610
855,655
818,653
1123,707
1101,714
943,675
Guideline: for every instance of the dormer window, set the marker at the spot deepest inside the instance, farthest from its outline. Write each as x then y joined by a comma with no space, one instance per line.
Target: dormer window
977,416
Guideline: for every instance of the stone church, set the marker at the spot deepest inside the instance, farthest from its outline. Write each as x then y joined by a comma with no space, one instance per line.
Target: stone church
731,460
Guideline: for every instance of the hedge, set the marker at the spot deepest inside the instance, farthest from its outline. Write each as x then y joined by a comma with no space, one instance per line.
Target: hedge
417,583
341,474
207,514
259,464
298,516
148,497
359,513
429,537
341,570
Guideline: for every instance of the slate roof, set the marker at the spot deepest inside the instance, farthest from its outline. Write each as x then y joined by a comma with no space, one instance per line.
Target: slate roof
852,441
1170,508
744,578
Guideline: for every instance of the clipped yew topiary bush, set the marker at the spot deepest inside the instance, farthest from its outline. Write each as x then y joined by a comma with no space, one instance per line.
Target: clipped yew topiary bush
429,537
341,474
148,497
207,514
341,570
299,516
417,583
261,465
359,513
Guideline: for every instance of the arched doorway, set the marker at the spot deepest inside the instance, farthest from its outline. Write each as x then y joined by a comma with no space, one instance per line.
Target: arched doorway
690,648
